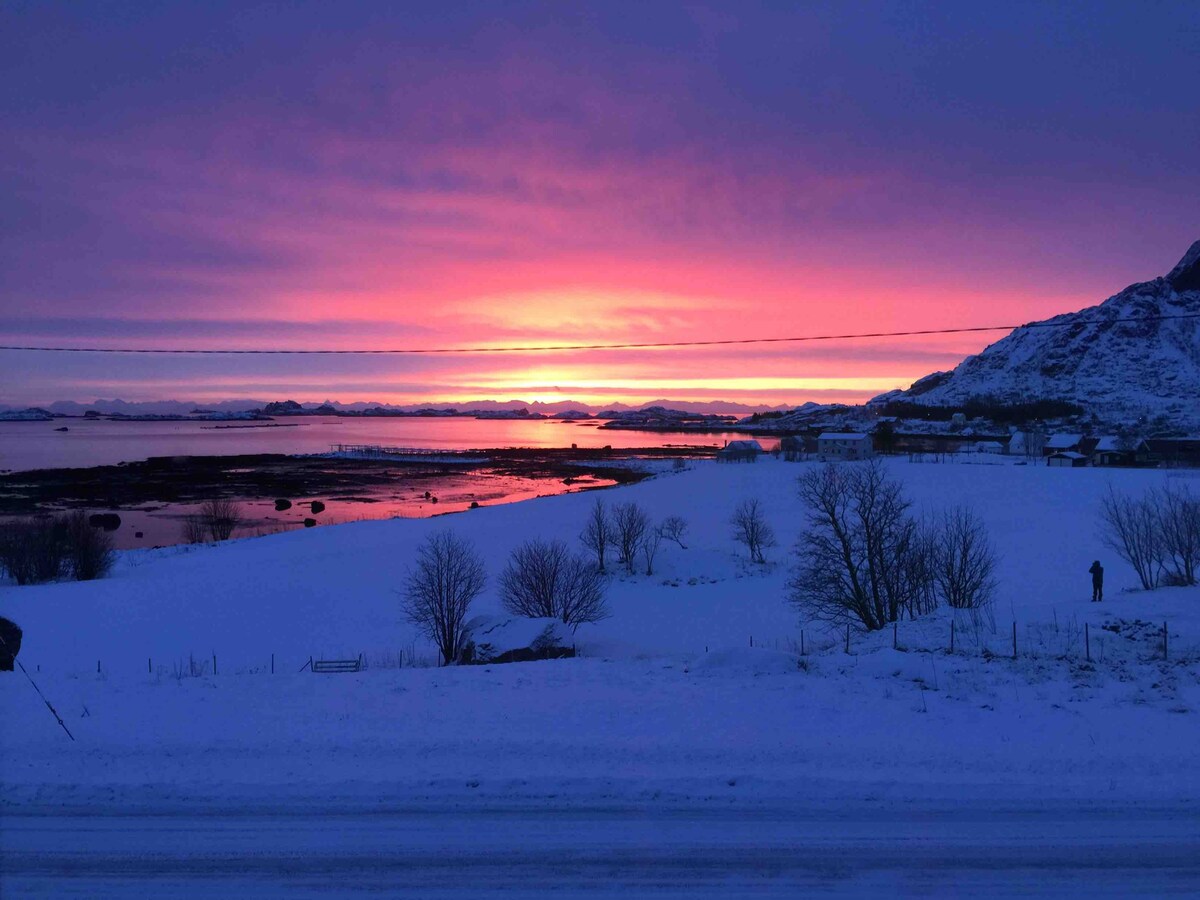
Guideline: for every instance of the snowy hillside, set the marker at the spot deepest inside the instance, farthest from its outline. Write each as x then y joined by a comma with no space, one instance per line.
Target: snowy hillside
1118,370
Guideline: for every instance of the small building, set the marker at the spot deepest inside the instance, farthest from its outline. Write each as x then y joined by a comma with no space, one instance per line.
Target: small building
1062,443
988,447
1115,451
1169,452
840,445
739,451
793,447
1067,459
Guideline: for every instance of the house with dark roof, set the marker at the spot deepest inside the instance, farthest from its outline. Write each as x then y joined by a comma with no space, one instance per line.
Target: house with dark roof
1170,451
1112,450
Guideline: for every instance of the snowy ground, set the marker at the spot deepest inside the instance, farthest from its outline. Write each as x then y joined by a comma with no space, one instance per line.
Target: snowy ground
670,715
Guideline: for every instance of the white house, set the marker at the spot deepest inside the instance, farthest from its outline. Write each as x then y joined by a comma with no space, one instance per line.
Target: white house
988,447
834,445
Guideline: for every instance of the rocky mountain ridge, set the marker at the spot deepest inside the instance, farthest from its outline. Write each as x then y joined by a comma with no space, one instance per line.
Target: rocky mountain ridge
1133,359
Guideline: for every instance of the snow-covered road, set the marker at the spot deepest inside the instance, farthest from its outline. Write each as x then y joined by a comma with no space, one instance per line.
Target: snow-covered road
633,851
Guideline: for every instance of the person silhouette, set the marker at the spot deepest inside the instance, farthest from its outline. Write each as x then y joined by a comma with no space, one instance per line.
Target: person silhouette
1097,571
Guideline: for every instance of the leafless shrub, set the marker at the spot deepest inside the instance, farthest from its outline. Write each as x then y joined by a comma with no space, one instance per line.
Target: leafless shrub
964,563
597,534
673,528
751,528
446,577
649,547
32,550
194,530
89,551
630,525
543,579
1129,526
863,558
222,517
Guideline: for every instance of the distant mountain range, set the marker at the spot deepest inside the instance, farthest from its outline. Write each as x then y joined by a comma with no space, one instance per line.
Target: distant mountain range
191,407
1135,373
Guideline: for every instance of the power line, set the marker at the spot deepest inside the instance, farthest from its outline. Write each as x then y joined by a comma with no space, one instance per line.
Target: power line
647,345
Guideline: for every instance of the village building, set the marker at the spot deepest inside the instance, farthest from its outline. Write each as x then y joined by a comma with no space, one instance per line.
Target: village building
796,447
1170,451
1062,443
1067,459
739,451
1115,451
844,445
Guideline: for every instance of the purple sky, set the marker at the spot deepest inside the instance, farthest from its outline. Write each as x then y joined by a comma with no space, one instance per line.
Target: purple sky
338,175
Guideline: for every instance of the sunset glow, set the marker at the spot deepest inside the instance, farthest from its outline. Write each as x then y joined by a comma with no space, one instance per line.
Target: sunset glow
215,177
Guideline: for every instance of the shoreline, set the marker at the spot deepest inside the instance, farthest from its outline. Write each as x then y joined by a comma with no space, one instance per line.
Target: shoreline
154,497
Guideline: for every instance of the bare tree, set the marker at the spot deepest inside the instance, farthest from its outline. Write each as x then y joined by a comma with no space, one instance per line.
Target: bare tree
222,517
597,533
650,544
1178,512
89,550
1129,526
673,528
630,525
863,558
964,563
752,529
543,579
446,577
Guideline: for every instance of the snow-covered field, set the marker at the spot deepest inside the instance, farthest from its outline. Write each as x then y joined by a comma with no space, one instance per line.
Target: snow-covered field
670,707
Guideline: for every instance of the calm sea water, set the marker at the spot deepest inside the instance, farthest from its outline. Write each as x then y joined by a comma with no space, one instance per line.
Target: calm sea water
36,445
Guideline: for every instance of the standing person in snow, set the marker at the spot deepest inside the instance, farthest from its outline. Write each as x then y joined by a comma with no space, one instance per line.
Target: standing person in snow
1097,571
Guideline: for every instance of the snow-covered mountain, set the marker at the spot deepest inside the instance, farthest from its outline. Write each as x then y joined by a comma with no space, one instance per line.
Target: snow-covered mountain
1117,369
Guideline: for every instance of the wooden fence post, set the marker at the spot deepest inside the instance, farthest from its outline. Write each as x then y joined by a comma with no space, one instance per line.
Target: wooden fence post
802,653
1164,640
149,668
272,663
214,664
847,638
1087,641
97,667
1014,639
895,636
